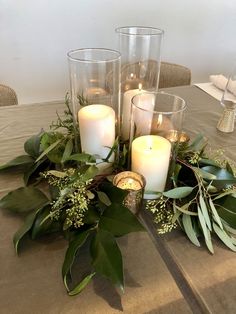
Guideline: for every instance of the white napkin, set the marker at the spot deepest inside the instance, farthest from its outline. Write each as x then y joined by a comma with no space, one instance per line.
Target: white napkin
220,81
232,87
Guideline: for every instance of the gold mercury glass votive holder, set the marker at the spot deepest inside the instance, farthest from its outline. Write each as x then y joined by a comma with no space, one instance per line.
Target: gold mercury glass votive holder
134,183
175,136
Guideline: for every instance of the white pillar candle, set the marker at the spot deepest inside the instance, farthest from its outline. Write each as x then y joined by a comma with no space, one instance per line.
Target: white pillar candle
97,129
146,103
150,157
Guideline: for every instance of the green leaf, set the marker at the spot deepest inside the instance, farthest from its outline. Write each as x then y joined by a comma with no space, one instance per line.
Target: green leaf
115,194
227,192
204,210
23,160
107,258
71,252
215,214
208,242
113,149
220,173
24,199
176,216
91,216
67,151
43,226
104,198
118,220
228,202
90,195
203,174
223,184
224,237
49,149
90,173
187,223
82,157
229,168
197,143
78,288
209,162
58,174
226,208
205,231
230,231
184,210
222,179
29,220
179,192
32,145
31,170
177,169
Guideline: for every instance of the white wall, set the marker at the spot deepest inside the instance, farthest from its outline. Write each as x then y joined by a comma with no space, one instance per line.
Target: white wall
36,35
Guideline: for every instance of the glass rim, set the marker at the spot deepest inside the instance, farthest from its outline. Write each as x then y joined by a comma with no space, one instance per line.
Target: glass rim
117,55
131,175
184,106
124,30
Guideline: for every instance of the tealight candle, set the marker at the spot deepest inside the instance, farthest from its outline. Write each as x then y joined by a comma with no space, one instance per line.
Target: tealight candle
134,183
150,157
95,91
97,129
129,184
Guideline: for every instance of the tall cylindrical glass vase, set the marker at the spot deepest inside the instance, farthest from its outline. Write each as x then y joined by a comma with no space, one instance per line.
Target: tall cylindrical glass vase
140,49
95,95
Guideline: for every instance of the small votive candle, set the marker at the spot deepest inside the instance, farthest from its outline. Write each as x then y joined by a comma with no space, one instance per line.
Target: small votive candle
134,183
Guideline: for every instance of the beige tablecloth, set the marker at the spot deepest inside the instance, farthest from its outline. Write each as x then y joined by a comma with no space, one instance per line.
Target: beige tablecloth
32,283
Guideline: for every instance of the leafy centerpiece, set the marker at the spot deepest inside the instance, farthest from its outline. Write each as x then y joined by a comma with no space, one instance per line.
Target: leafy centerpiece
65,194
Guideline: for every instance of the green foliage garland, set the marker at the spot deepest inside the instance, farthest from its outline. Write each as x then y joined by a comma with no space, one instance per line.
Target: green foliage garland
65,195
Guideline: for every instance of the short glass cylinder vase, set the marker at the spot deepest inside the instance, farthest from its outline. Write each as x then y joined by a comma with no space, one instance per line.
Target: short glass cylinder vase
95,95
156,125
140,49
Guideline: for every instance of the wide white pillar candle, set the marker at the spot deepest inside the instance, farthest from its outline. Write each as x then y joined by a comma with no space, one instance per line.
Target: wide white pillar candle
150,157
97,129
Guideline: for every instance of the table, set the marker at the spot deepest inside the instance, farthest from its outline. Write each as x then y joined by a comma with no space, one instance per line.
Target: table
163,274
32,283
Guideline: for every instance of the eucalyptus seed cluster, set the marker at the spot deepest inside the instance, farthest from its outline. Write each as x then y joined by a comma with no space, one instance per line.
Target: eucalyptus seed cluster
163,214
73,199
194,159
